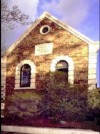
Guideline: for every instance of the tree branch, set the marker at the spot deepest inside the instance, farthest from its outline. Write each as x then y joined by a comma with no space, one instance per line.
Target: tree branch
14,15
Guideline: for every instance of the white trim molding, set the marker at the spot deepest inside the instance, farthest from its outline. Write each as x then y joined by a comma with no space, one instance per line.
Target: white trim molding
3,82
17,74
97,45
70,62
92,64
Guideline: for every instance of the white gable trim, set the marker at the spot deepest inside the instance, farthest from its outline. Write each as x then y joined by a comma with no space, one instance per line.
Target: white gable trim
17,74
70,62
49,16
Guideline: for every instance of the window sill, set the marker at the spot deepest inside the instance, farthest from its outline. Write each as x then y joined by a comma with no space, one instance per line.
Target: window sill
17,88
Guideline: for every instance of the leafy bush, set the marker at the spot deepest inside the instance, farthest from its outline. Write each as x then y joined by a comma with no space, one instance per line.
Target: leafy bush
64,101
94,103
25,104
94,98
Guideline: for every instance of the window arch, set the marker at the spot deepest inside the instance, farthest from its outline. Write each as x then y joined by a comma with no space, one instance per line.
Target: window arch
25,73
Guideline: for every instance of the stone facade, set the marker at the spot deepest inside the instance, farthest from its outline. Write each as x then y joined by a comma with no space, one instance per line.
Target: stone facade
64,44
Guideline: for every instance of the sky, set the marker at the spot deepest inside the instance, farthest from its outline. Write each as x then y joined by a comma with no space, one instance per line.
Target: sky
82,15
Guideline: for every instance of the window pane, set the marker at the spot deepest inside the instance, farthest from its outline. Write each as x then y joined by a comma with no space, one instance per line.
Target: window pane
25,75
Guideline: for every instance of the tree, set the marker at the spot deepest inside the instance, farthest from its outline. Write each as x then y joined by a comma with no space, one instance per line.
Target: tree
3,47
11,16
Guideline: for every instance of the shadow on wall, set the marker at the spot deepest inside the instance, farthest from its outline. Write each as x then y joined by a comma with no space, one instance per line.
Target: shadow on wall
98,69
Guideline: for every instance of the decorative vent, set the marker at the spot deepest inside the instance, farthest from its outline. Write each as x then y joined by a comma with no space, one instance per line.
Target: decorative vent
44,29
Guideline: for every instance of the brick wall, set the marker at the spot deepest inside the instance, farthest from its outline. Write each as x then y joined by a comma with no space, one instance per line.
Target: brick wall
64,43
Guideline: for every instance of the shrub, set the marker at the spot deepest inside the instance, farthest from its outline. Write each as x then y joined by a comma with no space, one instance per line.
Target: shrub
25,104
94,103
94,98
64,101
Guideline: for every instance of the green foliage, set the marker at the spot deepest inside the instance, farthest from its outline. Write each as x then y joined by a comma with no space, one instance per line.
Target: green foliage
58,77
60,100
94,103
64,101
94,98
25,104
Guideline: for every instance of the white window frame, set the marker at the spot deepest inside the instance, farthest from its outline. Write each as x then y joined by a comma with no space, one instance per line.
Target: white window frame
33,74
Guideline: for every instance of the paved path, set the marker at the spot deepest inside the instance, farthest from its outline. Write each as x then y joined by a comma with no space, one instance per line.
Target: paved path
34,130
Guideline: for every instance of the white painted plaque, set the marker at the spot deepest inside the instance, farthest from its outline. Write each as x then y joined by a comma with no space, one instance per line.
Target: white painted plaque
43,49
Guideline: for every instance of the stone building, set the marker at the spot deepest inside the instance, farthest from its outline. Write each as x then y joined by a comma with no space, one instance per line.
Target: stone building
48,45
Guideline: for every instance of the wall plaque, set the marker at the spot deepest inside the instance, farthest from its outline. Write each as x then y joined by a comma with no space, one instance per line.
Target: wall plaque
43,49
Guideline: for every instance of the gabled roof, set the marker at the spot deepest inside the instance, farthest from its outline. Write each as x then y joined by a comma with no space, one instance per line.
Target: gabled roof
49,16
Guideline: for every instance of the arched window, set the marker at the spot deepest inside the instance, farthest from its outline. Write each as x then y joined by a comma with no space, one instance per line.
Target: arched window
25,74
68,65
62,66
